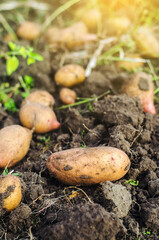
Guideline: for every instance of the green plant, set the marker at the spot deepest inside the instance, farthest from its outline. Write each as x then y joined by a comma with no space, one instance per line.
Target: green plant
25,83
7,92
6,172
12,61
132,182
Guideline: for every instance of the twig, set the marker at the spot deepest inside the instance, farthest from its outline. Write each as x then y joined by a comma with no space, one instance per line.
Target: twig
93,60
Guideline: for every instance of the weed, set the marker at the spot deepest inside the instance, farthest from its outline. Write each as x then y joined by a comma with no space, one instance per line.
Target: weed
6,172
12,61
25,83
132,182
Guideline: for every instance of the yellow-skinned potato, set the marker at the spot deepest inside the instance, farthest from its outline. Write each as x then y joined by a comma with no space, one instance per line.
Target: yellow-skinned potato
91,18
70,75
14,144
10,190
40,96
39,117
130,65
28,30
147,42
67,96
85,166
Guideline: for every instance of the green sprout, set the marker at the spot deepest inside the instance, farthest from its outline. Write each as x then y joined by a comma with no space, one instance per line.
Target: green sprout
25,83
6,172
7,92
132,182
12,61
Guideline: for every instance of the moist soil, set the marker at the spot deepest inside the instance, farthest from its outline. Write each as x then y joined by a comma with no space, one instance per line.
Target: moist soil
107,211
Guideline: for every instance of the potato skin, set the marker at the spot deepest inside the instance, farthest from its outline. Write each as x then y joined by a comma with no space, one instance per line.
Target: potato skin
40,96
39,117
67,96
28,30
14,144
85,166
10,188
70,75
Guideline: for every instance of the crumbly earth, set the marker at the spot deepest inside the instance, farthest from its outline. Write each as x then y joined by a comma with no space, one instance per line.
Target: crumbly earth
51,210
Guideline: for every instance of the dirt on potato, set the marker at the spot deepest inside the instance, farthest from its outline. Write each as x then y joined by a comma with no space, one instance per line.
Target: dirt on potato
120,210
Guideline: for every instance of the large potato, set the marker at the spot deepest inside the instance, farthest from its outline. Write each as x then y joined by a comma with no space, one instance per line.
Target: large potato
40,96
84,166
10,192
14,144
38,117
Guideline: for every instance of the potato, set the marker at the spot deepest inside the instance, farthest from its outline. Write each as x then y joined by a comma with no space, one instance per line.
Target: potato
39,117
84,166
118,25
141,85
128,65
28,30
40,96
70,75
91,19
14,144
70,37
10,192
67,96
147,42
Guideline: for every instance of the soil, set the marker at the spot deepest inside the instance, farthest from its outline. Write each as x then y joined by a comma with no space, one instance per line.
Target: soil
113,211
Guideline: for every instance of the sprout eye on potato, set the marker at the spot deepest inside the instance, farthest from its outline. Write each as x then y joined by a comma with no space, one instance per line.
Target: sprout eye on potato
70,75
38,117
40,96
14,144
10,192
85,166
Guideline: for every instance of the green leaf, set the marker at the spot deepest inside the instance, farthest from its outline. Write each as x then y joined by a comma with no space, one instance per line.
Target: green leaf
25,94
132,182
12,65
36,56
5,171
12,45
10,105
23,52
30,60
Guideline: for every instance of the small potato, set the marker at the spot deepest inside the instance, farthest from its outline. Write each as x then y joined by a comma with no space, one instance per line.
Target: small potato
130,65
14,144
39,117
67,96
70,75
40,96
10,192
85,166
28,30
147,42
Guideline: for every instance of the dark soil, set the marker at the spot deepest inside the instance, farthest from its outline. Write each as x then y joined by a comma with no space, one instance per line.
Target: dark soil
113,211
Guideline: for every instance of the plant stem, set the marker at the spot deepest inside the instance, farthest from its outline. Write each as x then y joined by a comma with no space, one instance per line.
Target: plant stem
85,100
